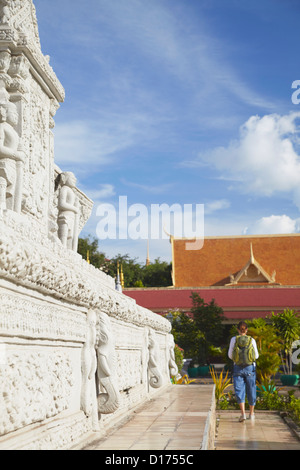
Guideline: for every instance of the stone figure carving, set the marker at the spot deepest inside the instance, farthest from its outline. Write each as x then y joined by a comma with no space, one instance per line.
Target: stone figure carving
88,370
4,12
155,376
172,363
37,386
109,401
19,66
68,211
5,79
5,58
11,159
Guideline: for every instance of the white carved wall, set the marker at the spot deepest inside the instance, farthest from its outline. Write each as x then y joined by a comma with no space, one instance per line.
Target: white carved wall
48,296
75,354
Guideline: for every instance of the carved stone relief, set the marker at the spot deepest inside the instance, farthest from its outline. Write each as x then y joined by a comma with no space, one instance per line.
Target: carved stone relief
68,211
11,159
129,366
108,397
171,353
30,317
88,371
74,344
154,371
36,387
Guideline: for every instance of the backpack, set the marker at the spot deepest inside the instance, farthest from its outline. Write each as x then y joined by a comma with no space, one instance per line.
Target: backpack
243,351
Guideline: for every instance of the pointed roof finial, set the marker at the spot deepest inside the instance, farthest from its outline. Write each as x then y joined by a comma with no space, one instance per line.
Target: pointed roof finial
148,257
260,276
251,254
122,277
118,283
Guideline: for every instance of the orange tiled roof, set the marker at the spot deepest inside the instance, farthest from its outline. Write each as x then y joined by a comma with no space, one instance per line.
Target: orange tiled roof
222,257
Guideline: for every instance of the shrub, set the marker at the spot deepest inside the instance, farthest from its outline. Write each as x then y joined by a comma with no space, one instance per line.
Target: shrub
179,357
269,347
287,324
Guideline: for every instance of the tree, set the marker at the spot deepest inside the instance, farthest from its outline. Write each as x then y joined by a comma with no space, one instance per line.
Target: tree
287,325
157,274
197,335
208,317
88,248
132,270
186,334
268,345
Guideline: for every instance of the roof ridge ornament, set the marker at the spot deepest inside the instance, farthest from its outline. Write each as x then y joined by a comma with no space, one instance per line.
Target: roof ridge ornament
252,272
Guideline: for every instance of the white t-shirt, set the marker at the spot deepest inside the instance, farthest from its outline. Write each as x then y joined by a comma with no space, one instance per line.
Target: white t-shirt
232,343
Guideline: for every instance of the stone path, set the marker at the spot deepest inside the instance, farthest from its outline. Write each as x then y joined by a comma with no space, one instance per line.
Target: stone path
176,420
267,432
173,420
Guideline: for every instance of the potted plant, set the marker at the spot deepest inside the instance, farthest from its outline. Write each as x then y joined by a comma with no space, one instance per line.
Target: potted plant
193,368
287,324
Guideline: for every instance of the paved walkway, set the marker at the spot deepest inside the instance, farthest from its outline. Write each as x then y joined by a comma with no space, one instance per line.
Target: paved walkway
267,432
174,420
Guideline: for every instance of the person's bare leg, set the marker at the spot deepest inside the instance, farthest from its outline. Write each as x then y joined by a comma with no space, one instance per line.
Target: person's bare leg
242,408
251,407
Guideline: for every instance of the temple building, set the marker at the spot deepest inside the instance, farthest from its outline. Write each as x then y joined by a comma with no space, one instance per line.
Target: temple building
248,276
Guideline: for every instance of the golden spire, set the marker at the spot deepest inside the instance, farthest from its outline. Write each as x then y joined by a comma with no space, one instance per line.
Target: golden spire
122,277
148,257
88,257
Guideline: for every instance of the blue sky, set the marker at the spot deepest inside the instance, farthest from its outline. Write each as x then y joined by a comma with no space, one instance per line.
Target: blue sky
180,102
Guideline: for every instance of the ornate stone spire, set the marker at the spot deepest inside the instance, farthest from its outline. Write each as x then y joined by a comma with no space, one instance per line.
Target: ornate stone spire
30,94
19,32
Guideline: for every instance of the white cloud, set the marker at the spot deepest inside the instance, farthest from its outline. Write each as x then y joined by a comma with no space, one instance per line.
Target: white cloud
148,188
86,142
274,224
183,47
264,160
169,40
218,205
105,191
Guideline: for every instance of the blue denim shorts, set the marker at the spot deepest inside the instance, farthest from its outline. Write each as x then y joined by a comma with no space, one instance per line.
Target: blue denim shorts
244,382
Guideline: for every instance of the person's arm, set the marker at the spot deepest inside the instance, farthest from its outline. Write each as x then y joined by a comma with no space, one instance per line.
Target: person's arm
231,346
255,348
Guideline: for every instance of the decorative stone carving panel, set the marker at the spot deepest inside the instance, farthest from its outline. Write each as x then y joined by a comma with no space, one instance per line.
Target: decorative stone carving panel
130,368
34,318
37,386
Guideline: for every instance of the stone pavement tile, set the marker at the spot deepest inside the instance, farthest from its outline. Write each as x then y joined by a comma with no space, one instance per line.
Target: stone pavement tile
267,432
174,420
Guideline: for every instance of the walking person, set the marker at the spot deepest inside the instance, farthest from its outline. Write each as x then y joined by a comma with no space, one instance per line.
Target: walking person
243,351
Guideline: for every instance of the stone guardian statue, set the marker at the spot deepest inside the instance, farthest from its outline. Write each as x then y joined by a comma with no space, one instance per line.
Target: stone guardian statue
11,159
68,211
